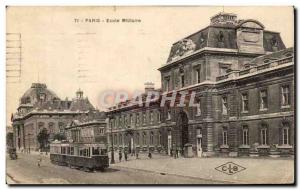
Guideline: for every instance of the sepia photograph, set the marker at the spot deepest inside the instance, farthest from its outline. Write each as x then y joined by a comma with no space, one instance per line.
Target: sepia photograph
150,95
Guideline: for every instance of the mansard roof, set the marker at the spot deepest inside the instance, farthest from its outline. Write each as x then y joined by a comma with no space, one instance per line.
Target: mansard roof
210,37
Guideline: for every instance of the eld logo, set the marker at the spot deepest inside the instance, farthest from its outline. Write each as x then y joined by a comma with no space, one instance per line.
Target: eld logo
230,168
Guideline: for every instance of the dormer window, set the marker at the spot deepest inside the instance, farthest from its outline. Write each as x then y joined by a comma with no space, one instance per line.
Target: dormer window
224,68
42,97
274,41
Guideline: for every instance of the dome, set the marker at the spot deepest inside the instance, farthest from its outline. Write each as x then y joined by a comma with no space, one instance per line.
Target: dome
38,93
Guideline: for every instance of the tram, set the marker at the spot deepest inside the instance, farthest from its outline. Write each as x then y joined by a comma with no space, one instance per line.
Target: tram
79,155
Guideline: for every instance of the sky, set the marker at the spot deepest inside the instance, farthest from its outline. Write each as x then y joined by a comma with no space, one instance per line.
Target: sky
100,56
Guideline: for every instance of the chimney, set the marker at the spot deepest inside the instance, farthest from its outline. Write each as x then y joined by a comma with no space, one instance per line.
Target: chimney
224,18
149,86
79,94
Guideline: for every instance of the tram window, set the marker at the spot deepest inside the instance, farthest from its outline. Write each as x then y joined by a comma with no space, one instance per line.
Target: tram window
96,151
68,150
103,151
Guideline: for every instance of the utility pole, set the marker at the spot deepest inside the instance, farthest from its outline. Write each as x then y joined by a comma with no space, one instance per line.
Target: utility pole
112,161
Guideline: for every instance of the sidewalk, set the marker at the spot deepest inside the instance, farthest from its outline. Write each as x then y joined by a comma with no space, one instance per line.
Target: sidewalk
258,170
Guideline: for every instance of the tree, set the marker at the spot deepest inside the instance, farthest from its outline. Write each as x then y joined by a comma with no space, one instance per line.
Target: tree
10,139
43,138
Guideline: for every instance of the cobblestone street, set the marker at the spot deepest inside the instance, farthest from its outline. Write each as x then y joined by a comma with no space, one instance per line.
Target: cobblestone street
158,170
24,170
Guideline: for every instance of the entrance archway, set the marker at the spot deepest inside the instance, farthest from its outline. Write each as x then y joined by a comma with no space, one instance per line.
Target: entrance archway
183,128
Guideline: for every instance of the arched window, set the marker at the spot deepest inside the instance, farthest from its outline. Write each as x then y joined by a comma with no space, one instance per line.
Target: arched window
151,138
245,135
221,36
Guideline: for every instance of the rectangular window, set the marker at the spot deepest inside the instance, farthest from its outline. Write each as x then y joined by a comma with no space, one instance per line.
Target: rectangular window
115,139
245,136
137,119
169,115
116,123
197,73
158,117
198,109
151,117
137,138
285,95
144,118
125,121
182,80
245,103
120,122
285,136
263,135
224,105
131,120
151,138
225,137
167,83
263,99
159,138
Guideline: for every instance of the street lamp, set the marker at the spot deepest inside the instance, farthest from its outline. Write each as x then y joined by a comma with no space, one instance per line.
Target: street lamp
112,161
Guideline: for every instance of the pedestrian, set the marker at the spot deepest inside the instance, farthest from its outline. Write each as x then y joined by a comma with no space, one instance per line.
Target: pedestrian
150,154
174,153
177,153
125,155
137,154
39,161
120,156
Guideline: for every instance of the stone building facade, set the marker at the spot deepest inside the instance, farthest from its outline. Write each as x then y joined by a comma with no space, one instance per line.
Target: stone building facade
242,78
41,108
92,131
136,126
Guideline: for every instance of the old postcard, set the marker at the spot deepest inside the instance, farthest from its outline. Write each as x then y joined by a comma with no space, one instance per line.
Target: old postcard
150,95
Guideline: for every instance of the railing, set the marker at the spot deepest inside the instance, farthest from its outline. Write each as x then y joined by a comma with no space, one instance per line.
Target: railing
256,68
222,77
